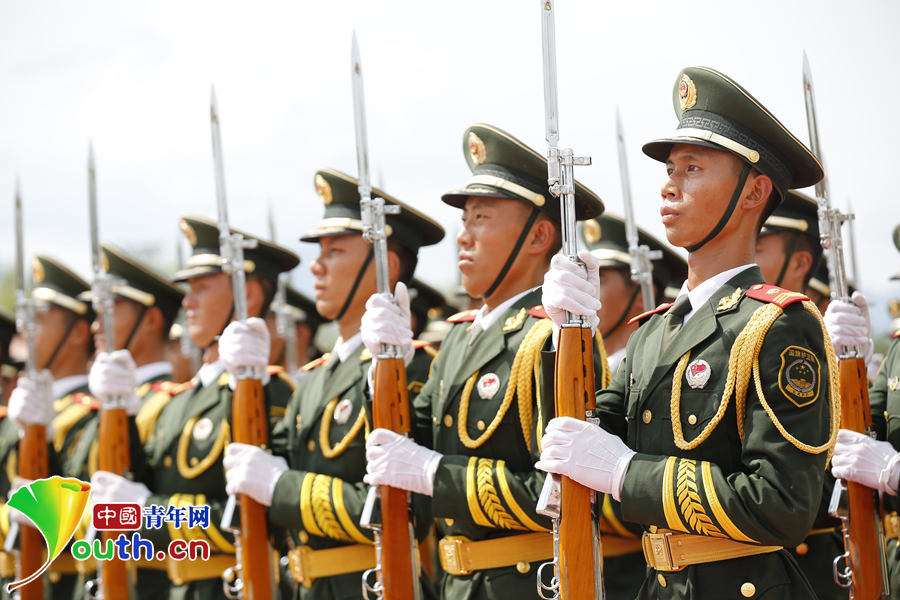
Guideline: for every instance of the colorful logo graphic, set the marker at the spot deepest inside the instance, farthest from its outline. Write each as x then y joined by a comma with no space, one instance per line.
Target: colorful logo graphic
55,505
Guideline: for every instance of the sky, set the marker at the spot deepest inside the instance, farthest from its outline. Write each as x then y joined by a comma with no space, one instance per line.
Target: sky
134,78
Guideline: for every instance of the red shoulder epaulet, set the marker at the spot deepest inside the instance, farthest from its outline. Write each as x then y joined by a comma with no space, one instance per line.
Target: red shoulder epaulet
419,344
180,387
774,294
164,386
86,400
315,363
460,317
897,334
539,311
643,316
275,369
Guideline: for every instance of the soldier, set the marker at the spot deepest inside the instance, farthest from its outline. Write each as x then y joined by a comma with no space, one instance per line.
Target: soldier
323,432
479,418
63,346
727,399
8,369
185,429
9,439
621,297
876,464
300,313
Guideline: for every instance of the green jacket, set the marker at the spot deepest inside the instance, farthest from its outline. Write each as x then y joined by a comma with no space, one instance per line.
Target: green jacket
743,461
322,436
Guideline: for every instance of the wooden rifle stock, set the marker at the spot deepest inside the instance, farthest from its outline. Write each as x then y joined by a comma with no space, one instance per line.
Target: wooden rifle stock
865,556
114,457
575,395
250,426
390,410
32,465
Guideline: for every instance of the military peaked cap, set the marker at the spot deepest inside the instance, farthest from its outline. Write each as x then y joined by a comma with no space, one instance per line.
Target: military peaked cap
798,212
54,283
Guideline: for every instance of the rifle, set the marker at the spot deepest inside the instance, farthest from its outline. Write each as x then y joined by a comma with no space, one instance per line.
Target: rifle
112,575
251,577
33,444
641,255
396,569
856,505
286,318
577,562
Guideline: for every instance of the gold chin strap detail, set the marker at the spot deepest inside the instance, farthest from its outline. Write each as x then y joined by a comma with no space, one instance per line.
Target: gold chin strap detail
525,368
325,431
192,472
689,133
508,186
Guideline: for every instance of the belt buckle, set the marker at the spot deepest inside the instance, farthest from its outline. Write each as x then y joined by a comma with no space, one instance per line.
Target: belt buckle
297,565
658,553
451,555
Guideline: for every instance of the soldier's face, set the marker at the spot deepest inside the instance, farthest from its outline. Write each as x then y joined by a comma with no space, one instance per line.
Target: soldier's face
50,326
615,292
490,227
207,306
699,185
770,255
125,314
335,270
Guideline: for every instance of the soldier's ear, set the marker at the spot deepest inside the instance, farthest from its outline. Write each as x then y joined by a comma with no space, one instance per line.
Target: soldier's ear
756,191
542,237
393,268
153,319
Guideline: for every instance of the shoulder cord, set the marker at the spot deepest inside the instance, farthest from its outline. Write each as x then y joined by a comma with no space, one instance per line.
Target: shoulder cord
325,431
605,373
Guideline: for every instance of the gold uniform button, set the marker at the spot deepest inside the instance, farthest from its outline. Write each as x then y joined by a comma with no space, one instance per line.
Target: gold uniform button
449,522
748,590
692,419
448,420
662,580
647,416
802,549
480,425
303,537
311,446
523,567
167,462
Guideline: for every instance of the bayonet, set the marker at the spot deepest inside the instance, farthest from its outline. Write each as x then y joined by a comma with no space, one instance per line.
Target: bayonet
25,304
641,255
101,285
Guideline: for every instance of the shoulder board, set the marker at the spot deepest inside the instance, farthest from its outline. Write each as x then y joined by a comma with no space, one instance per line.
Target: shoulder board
774,294
86,400
180,387
539,311
224,379
274,369
419,344
897,334
315,363
169,387
460,317
643,316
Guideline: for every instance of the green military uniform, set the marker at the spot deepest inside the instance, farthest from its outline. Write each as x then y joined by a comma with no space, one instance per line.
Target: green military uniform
185,428
323,433
733,415
9,440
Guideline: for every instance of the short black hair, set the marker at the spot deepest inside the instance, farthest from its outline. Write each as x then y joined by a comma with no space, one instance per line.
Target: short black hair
269,287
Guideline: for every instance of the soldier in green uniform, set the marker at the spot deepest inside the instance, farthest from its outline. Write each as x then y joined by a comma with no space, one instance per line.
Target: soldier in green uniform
874,463
63,347
299,313
9,370
480,416
318,494
184,429
727,400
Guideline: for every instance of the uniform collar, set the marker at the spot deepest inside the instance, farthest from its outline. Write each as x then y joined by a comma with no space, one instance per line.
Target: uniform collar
486,318
615,358
210,372
703,292
67,385
343,349
145,373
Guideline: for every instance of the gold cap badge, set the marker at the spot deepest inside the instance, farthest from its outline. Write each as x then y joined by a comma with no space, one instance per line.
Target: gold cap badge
687,92
188,232
323,189
37,271
592,231
476,149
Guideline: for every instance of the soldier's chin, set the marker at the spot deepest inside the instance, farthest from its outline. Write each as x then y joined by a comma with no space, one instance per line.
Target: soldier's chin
473,287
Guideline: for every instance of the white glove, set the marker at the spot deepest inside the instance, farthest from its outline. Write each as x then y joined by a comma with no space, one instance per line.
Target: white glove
109,487
586,453
113,377
397,461
848,324
252,471
31,403
569,288
245,345
385,322
859,458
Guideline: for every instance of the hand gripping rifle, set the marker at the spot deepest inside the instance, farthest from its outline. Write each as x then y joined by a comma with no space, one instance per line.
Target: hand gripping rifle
641,254
251,577
112,575
33,444
577,563
396,568
864,567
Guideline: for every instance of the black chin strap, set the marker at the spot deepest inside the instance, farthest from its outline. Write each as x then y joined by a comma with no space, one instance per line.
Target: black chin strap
134,328
625,312
514,253
215,340
728,211
60,343
792,245
356,282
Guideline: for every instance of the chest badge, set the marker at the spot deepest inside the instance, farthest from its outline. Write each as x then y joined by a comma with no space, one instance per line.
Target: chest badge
202,429
342,411
894,383
488,385
698,373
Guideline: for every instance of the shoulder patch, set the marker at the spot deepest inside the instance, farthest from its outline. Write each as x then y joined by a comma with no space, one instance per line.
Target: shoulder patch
774,294
315,363
460,317
539,311
86,400
799,375
649,313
